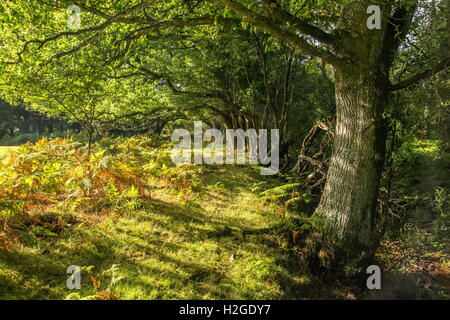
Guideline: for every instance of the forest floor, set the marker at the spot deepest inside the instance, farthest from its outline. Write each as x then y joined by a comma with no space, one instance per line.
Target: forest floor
227,244
416,263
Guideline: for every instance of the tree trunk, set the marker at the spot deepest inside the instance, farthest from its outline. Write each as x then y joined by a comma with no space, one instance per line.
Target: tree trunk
348,203
26,123
89,143
50,126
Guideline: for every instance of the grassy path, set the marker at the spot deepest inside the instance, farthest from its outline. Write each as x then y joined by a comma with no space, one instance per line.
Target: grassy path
225,245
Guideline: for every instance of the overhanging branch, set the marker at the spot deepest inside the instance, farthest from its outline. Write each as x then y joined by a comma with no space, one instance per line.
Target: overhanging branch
265,23
302,26
428,73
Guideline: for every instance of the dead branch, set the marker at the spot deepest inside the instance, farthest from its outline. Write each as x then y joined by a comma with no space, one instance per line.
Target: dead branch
318,160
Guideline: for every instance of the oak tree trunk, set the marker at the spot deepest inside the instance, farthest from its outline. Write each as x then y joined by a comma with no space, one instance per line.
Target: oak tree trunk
348,203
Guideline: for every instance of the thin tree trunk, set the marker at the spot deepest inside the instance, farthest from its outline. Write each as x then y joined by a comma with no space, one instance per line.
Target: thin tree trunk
89,144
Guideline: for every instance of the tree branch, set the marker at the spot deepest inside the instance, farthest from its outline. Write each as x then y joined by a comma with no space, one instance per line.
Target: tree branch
285,17
397,28
265,23
428,73
98,30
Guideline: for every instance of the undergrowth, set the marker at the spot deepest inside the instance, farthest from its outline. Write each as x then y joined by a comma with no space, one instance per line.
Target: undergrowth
46,186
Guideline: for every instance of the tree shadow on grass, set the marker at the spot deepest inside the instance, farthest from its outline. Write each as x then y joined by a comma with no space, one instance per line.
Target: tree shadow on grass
166,251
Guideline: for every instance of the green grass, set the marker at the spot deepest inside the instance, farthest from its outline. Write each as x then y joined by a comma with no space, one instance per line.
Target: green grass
225,245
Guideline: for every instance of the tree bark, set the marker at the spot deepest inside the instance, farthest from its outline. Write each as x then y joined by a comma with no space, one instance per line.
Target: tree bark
348,203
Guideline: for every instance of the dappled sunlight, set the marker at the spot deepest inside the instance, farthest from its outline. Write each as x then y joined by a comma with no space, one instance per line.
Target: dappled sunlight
223,244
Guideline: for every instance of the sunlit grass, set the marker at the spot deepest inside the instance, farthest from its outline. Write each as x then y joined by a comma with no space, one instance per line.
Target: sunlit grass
225,246
429,148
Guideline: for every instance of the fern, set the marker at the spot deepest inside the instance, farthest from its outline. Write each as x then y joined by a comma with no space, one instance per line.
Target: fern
287,194
284,189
